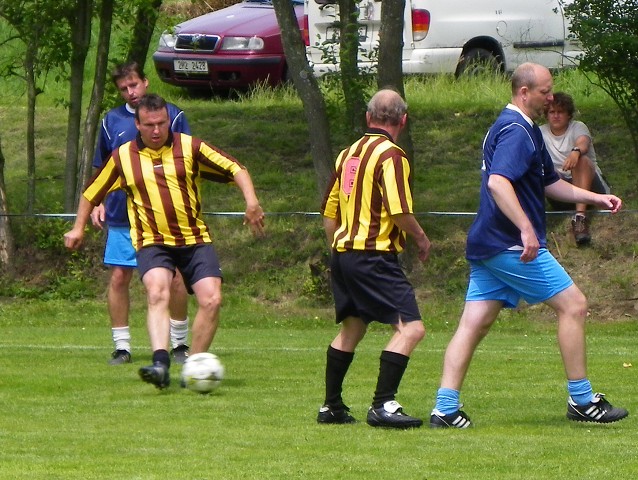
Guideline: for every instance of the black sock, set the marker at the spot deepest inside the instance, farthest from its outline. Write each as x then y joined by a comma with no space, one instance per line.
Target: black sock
391,368
162,357
337,365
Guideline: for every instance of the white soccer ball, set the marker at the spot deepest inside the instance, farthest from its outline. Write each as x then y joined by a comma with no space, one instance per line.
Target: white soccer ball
202,372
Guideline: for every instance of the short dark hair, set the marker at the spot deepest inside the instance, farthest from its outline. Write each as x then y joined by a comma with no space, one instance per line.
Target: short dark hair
127,69
151,102
564,101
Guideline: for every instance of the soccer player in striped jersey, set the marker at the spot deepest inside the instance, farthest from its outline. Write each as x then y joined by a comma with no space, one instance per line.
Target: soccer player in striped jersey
367,214
161,172
118,127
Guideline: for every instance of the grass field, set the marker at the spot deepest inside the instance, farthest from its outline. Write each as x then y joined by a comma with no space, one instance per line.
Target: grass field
66,414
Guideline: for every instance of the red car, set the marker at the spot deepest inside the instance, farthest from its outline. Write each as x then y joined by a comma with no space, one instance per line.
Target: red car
231,48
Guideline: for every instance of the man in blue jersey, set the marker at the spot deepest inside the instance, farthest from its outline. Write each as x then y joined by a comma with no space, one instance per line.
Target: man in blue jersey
117,128
508,256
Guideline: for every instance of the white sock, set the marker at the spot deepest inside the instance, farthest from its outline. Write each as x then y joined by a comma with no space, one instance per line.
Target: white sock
121,338
179,332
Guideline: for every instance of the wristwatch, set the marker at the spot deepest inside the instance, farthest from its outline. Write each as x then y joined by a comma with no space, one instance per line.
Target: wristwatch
576,149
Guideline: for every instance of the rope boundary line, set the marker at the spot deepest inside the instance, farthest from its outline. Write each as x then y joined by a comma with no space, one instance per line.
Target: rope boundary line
308,214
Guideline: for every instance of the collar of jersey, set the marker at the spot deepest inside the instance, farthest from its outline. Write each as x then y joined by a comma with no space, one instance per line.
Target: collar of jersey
378,131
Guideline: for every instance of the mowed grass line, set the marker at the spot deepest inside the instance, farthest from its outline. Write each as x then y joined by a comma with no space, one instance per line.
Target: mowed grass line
66,414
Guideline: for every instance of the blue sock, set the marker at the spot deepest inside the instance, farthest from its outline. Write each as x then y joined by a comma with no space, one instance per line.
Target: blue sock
580,391
447,400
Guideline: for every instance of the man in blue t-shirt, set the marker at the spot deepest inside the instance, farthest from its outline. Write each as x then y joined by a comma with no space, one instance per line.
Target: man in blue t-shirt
508,256
117,128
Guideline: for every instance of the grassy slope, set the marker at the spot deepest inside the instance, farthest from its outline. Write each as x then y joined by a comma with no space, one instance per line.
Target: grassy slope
268,134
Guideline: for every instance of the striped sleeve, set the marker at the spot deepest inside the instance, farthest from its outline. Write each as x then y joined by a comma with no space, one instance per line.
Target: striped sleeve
330,203
105,180
214,164
396,184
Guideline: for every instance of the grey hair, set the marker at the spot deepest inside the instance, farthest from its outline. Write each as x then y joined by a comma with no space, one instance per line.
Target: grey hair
386,107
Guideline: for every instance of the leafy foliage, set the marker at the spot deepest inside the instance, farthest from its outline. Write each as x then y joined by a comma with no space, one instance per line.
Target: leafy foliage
31,24
608,32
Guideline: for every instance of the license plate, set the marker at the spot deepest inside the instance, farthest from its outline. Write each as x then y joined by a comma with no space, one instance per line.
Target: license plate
334,33
192,66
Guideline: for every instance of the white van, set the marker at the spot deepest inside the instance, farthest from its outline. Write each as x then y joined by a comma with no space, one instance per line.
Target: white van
447,36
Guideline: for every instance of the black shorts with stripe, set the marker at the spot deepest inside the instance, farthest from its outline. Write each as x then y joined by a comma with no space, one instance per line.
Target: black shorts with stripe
194,262
373,287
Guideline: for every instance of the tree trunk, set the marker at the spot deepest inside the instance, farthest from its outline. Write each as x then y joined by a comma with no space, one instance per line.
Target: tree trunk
390,74
93,114
390,63
145,21
308,90
80,23
6,236
351,81
32,92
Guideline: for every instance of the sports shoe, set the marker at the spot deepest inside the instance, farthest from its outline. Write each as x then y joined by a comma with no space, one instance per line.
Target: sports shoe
118,357
180,354
334,415
598,410
391,415
457,419
157,374
580,228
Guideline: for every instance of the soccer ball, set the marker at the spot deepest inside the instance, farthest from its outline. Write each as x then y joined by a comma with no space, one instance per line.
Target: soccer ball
202,372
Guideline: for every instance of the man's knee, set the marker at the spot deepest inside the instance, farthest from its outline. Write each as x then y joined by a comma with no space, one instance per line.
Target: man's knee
210,299
415,330
121,277
573,304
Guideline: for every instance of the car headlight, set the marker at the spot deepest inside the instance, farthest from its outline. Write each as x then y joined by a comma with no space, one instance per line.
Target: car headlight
243,43
167,40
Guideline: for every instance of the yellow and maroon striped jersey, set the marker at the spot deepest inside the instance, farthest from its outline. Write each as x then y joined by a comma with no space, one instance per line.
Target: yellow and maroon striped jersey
163,187
371,183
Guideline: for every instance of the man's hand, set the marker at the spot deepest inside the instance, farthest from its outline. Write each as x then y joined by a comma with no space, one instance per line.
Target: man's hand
97,216
530,245
423,245
254,217
571,161
73,238
609,202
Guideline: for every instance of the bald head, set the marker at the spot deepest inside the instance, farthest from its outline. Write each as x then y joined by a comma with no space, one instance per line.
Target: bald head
532,89
525,76
386,108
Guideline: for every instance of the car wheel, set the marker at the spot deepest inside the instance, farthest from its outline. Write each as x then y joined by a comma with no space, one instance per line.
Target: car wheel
478,61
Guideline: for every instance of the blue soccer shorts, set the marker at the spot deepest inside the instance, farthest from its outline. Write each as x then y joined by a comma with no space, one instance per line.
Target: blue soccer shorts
119,251
506,278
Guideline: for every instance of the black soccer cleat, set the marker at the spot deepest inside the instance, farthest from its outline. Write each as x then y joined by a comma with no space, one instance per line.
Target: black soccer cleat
157,374
598,411
180,354
118,357
457,419
328,415
390,415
